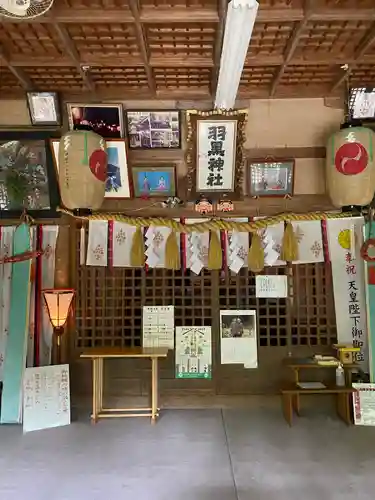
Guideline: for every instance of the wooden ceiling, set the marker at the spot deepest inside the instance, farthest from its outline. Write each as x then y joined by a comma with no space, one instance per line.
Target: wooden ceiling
170,49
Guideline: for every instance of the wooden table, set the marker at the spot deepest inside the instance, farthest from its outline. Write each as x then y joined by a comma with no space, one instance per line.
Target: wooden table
292,392
98,355
291,404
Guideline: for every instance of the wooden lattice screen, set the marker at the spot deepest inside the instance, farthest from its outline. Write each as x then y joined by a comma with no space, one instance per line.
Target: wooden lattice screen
109,303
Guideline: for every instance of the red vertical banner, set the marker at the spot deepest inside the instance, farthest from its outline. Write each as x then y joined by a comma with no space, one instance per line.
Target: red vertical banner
39,301
183,241
223,238
327,258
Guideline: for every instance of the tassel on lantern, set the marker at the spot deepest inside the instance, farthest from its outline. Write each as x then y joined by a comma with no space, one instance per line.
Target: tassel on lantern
215,255
255,257
289,247
172,252
137,252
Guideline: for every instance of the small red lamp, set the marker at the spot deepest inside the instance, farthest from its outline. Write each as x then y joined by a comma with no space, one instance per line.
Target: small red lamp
58,302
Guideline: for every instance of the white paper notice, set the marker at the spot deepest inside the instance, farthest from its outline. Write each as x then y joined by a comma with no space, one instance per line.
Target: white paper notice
46,399
271,286
158,326
364,404
239,338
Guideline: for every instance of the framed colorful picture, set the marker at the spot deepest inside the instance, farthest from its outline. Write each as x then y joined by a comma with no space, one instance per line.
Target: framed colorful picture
117,184
104,119
27,178
152,182
44,108
153,129
215,153
271,178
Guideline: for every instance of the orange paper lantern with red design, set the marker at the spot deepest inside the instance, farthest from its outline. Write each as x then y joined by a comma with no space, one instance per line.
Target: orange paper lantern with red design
82,169
350,167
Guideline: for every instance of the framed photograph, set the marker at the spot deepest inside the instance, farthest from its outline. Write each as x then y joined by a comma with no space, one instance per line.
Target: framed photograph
117,184
153,129
215,153
361,104
28,179
152,182
105,119
44,108
271,178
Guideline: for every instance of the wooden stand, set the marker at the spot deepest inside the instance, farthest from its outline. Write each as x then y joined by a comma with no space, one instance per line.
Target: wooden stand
291,392
98,356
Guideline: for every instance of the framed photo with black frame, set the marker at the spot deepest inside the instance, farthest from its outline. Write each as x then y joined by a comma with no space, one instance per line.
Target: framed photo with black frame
155,129
361,104
28,181
44,108
270,178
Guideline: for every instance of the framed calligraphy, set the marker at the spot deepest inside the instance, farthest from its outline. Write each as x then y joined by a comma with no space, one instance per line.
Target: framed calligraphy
215,153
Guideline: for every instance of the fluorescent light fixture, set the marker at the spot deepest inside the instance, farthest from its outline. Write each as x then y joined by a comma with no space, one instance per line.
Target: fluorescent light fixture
239,26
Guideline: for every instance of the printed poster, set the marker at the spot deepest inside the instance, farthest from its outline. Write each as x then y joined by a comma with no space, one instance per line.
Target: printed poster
158,326
46,397
239,338
364,404
193,352
345,238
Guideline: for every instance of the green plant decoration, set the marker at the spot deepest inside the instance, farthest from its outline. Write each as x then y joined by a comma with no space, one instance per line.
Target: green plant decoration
17,187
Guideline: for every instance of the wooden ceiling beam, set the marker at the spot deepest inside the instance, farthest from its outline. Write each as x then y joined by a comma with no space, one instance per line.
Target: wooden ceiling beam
72,51
25,81
292,46
142,44
367,41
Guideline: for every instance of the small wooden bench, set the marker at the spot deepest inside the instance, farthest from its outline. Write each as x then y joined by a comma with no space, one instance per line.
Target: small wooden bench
291,400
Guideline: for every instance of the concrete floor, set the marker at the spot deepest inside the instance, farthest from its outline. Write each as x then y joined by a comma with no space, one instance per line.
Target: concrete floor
191,455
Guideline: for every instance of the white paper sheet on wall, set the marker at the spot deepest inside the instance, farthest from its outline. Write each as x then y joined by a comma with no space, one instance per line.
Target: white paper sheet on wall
46,399
238,334
158,326
271,286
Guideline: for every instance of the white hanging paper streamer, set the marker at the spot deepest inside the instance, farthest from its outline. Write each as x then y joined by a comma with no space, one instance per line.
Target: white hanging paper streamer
49,240
30,358
310,241
348,283
155,240
122,243
237,247
6,245
272,238
197,245
82,246
97,246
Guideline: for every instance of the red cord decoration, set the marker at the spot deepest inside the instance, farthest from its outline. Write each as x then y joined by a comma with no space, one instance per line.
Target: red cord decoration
21,257
370,243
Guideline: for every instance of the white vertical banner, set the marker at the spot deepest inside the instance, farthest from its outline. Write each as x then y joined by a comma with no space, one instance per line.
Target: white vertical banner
272,238
6,245
97,246
155,242
30,358
310,241
122,243
49,240
345,238
237,244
